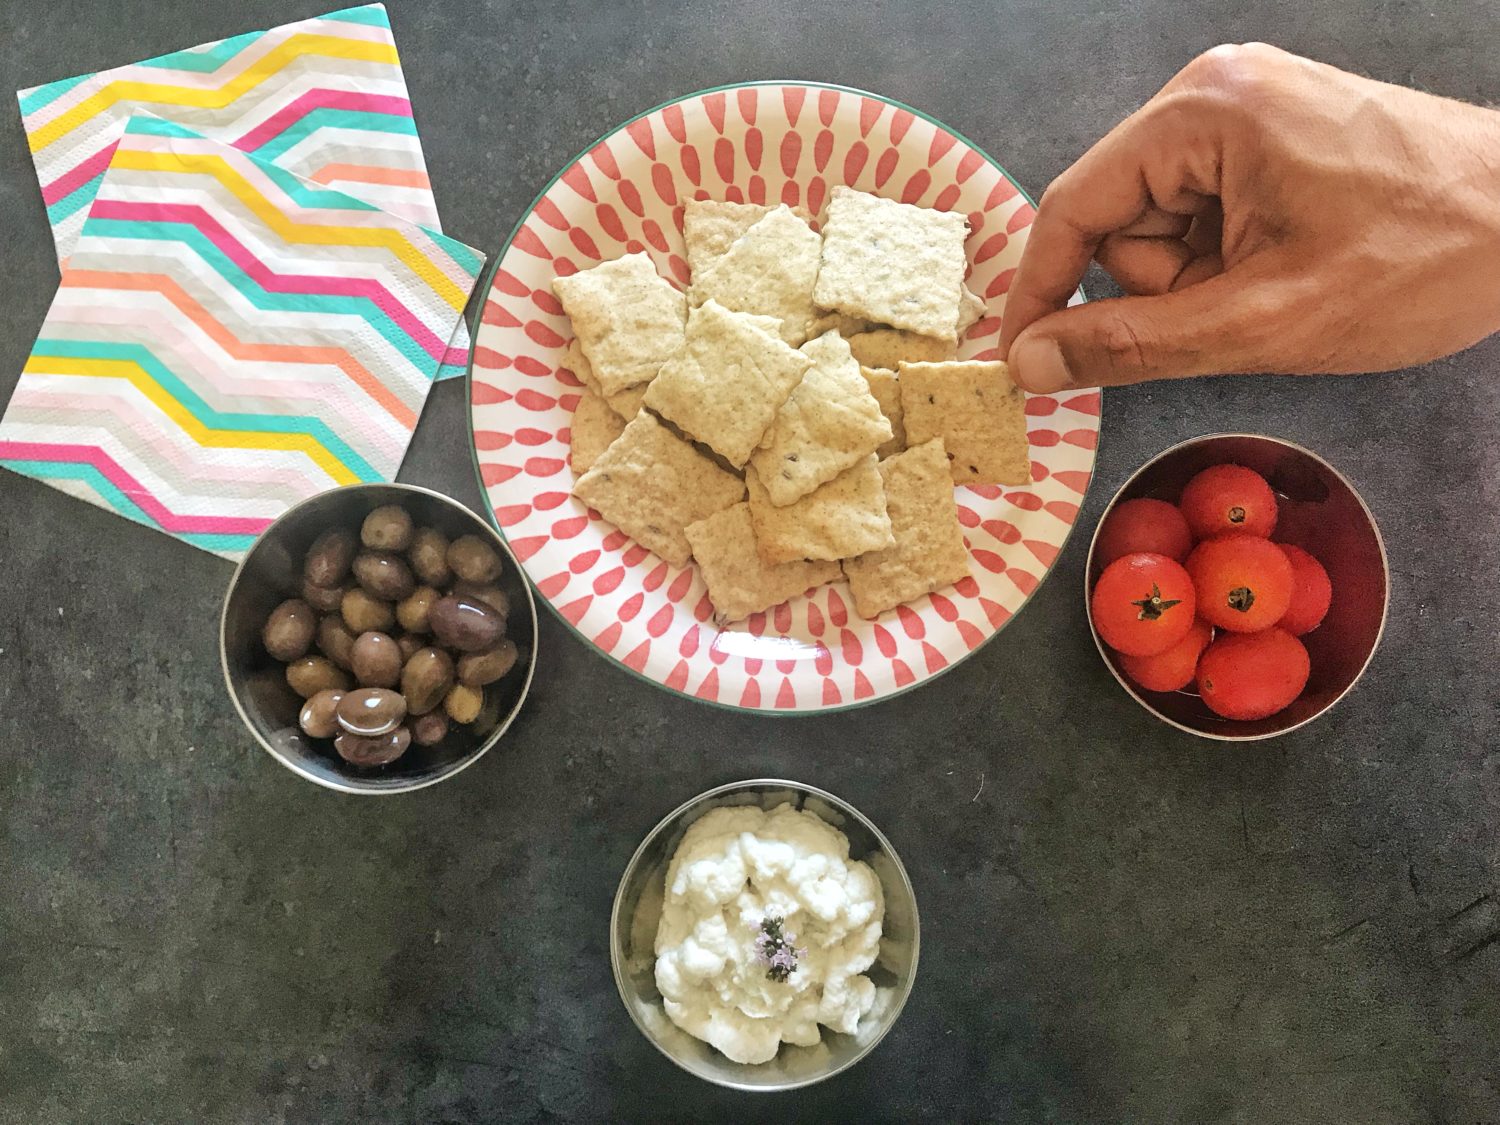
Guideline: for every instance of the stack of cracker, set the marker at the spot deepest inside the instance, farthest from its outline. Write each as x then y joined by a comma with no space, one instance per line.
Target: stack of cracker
799,414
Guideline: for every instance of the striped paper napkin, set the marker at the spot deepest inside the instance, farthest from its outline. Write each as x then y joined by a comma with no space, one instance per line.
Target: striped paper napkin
324,98
228,339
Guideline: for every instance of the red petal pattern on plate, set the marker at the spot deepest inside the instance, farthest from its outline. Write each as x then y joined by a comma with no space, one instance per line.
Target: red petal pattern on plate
626,195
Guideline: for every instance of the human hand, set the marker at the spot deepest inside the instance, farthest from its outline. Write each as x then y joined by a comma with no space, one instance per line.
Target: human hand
1266,213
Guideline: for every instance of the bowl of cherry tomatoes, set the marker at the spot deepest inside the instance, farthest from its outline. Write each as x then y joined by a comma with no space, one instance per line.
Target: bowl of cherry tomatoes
1237,586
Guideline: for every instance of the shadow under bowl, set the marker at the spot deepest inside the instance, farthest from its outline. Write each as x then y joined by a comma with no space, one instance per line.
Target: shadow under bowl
272,572
637,910
1319,511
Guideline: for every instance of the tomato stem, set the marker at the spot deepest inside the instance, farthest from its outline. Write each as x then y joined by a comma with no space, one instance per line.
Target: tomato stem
1154,605
1241,598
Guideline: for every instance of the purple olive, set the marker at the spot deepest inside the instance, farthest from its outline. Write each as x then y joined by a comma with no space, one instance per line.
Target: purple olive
371,711
466,624
376,750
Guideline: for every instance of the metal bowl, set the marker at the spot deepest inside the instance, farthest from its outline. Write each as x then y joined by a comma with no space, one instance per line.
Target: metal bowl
1321,512
272,572
637,910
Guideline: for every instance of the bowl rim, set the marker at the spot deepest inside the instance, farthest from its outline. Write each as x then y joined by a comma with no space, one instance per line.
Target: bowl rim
486,282
615,952
1385,606
343,785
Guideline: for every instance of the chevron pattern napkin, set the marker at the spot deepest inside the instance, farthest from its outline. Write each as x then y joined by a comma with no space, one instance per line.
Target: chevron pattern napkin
324,98
229,338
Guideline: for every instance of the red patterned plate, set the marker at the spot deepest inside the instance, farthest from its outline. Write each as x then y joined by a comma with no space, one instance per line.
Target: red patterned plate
763,142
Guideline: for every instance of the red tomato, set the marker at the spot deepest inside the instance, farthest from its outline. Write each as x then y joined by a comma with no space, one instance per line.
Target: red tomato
1172,670
1311,592
1254,675
1243,583
1225,498
1143,525
1143,604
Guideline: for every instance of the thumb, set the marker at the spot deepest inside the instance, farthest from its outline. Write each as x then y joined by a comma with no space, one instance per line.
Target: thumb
1211,328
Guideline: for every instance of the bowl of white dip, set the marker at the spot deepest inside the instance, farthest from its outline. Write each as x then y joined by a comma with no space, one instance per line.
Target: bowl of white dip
765,935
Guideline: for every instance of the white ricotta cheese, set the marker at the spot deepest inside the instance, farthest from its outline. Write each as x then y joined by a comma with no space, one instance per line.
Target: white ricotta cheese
735,867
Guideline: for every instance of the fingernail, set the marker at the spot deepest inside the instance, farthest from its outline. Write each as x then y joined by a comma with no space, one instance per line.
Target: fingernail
1038,366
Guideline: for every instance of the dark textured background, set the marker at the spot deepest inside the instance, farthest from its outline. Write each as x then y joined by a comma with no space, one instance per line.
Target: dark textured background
1125,924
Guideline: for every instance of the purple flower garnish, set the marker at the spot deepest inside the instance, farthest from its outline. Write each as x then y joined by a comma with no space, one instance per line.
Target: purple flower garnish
774,949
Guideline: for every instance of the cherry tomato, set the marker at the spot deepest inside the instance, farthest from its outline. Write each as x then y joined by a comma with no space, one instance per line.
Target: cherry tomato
1252,675
1225,498
1143,525
1174,669
1143,604
1243,583
1311,592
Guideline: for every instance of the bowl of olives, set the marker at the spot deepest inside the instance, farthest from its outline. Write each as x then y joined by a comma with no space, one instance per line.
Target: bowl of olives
378,638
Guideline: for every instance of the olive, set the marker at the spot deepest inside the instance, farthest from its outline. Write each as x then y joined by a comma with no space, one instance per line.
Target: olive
370,711
289,630
329,557
317,719
464,703
410,644
429,729
426,679
480,668
364,613
473,560
412,610
466,624
313,674
376,660
387,528
383,574
429,556
492,596
380,750
324,599
335,641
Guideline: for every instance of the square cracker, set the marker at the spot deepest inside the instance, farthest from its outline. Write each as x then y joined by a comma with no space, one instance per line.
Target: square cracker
889,347
830,422
845,517
710,227
887,391
628,320
929,552
593,428
651,484
725,387
977,411
739,582
893,263
770,271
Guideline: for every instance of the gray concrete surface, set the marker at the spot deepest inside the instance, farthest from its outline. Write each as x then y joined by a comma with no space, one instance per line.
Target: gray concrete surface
1124,925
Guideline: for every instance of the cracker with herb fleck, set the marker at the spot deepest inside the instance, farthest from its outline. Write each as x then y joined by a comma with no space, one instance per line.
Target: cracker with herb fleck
739,581
710,227
726,385
628,320
977,411
769,271
651,484
840,519
929,552
893,263
828,423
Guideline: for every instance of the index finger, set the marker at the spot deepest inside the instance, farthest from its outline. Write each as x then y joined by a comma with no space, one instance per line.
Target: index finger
1164,156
